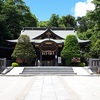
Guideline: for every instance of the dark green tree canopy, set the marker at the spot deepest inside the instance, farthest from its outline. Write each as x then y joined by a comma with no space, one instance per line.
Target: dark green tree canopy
71,48
53,22
95,15
95,50
69,21
14,14
82,24
24,49
64,21
43,23
89,28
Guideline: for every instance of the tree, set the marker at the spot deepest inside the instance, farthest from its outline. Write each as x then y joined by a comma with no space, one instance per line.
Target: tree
29,20
71,49
68,21
24,50
14,15
95,15
3,30
82,24
43,23
12,11
95,50
53,22
92,25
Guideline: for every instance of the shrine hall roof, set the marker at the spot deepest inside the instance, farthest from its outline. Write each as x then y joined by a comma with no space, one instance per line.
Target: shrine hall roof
60,32
34,33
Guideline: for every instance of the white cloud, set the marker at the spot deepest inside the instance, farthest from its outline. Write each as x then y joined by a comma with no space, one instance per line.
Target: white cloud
81,8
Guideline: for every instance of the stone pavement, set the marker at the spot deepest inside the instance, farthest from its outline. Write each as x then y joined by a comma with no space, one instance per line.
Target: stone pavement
86,88
15,88
50,87
82,86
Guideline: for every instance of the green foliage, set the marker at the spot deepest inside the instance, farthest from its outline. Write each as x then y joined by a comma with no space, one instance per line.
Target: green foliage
43,23
14,15
24,49
83,24
68,21
81,64
14,64
95,50
64,21
86,35
95,15
92,20
29,20
71,49
53,22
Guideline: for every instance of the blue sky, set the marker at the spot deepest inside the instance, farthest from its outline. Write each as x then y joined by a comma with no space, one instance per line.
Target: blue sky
43,9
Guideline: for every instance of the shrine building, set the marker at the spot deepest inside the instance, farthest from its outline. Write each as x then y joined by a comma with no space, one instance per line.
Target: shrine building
48,43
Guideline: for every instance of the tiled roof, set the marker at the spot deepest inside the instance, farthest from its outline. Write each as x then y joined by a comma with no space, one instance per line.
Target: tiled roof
62,32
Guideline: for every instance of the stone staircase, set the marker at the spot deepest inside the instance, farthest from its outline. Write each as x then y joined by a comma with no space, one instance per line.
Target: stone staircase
48,70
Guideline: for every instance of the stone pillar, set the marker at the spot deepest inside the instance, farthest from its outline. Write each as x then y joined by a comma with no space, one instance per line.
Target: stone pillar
90,62
4,62
99,66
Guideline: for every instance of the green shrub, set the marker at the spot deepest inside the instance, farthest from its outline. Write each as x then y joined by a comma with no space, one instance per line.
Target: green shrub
71,49
81,64
14,64
24,50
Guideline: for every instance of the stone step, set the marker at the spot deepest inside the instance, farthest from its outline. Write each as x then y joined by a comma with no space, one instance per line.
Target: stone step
47,70
31,70
68,68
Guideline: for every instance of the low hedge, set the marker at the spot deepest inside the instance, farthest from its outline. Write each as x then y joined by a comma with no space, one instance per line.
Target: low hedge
81,64
14,64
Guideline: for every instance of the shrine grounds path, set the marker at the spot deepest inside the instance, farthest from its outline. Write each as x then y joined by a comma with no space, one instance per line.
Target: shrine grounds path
50,87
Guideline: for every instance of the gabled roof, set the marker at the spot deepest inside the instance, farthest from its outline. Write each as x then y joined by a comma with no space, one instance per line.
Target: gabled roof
61,33
48,34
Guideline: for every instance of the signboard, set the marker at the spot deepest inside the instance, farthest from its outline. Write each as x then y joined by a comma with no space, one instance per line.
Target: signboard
59,60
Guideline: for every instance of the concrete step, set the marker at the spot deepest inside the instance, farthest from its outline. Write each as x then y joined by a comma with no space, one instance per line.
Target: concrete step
48,70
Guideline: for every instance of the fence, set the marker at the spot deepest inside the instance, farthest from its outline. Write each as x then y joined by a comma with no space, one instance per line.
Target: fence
94,63
3,63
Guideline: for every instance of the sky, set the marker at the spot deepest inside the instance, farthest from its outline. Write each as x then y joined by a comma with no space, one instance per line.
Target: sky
43,9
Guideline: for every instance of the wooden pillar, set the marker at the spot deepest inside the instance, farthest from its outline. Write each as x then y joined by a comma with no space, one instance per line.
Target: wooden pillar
41,57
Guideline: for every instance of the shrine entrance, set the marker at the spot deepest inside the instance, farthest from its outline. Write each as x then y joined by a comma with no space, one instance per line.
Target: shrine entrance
48,53
48,60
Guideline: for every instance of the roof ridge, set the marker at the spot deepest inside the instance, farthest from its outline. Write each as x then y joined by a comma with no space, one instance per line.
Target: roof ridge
44,28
